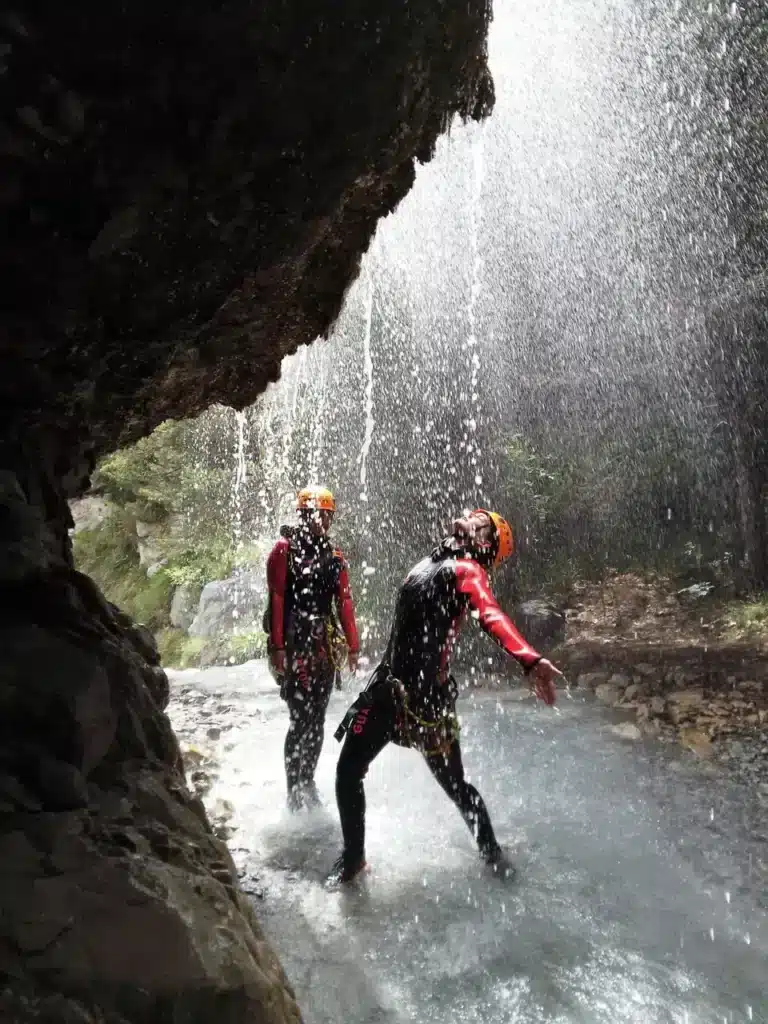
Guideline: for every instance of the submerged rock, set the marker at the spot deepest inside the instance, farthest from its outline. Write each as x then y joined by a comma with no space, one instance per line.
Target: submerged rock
626,731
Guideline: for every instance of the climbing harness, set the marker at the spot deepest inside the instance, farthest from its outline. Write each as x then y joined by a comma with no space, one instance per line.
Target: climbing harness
433,739
338,648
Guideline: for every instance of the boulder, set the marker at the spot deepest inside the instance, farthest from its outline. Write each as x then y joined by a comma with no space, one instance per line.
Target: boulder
686,698
88,512
619,680
697,741
626,731
606,693
631,692
646,670
750,686
149,540
591,680
683,704
234,605
184,605
657,706
118,904
541,623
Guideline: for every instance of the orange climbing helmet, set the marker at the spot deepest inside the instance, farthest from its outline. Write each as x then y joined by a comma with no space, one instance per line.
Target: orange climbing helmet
316,498
505,542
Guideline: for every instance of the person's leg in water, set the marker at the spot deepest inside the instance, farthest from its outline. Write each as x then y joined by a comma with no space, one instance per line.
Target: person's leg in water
371,730
314,734
306,691
300,718
448,769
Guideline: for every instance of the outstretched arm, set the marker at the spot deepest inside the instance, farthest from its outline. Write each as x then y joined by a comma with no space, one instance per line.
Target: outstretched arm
346,609
472,580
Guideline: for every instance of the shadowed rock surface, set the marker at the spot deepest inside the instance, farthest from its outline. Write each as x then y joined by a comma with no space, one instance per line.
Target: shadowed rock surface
187,190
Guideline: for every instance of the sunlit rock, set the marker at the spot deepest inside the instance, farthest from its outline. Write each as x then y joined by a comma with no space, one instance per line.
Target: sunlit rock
232,605
88,512
697,741
184,605
626,731
607,693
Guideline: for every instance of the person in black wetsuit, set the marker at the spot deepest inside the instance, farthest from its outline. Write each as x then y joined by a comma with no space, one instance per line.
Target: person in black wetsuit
306,576
411,697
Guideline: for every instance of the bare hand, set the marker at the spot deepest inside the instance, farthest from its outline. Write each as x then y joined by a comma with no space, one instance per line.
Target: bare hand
278,662
352,659
542,681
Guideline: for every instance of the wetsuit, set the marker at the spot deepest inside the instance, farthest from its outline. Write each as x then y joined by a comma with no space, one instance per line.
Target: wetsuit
411,698
305,577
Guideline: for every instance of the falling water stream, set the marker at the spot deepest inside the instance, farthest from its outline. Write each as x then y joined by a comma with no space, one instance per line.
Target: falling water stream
368,401
471,446
547,273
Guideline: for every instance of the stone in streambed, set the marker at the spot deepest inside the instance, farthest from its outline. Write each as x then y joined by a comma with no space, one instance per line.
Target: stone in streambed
626,731
606,693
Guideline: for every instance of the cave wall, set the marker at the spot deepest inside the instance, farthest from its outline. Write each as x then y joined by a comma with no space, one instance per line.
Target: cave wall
186,190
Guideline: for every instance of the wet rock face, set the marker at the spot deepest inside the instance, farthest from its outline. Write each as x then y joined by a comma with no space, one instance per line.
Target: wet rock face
117,901
189,189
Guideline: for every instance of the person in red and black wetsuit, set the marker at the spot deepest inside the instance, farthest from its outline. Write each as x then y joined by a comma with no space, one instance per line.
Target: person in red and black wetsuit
306,576
411,697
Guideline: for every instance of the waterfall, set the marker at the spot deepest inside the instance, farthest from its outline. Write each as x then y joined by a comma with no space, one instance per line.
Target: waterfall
368,394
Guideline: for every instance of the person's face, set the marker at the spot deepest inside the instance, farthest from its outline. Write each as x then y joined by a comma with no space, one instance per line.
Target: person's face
318,521
477,528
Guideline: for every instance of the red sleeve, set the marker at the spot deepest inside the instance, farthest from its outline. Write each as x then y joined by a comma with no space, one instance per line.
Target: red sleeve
346,607
277,574
472,580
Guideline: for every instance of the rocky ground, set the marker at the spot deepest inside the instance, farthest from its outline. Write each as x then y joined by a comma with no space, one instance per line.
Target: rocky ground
681,664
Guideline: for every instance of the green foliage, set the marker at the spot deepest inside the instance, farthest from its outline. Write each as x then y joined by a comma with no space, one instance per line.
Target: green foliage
750,617
245,646
169,476
200,566
108,555
536,480
233,650
177,650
